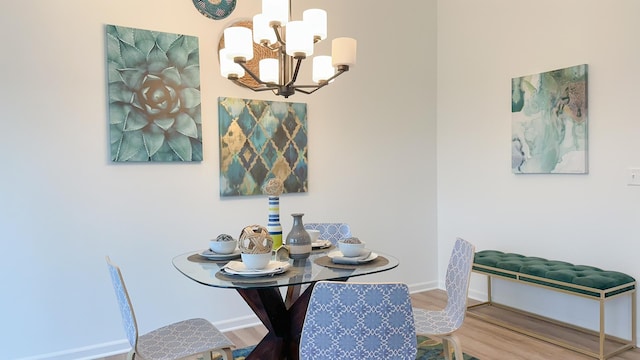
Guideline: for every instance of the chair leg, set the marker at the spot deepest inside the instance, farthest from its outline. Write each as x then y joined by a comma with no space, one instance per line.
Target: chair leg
131,355
446,350
226,354
452,339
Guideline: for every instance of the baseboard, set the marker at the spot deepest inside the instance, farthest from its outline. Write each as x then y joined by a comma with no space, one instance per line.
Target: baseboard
477,295
99,351
238,323
420,287
86,353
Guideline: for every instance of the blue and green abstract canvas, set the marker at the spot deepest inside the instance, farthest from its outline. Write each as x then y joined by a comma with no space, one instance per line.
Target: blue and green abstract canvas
154,95
261,140
549,122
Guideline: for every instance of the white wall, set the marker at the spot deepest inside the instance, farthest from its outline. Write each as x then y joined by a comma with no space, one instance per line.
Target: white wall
64,205
587,219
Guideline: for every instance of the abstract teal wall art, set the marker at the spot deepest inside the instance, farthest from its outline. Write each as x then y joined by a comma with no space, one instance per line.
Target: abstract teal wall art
154,95
261,140
549,122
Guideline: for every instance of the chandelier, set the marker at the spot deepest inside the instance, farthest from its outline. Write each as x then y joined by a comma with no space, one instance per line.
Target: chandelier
287,43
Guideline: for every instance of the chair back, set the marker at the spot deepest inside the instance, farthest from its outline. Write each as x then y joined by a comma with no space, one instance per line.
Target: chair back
457,280
358,321
331,231
126,310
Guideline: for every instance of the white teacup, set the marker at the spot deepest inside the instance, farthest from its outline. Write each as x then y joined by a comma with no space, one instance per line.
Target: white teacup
314,234
256,261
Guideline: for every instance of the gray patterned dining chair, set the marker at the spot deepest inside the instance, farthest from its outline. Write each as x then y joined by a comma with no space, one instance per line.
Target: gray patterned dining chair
443,323
176,341
331,231
358,321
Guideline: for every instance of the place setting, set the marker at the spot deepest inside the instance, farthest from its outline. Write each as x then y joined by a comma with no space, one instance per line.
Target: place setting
255,247
350,254
316,242
221,249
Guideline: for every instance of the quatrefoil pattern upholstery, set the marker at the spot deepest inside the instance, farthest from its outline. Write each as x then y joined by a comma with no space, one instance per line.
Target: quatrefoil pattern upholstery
331,231
444,322
126,312
358,321
171,342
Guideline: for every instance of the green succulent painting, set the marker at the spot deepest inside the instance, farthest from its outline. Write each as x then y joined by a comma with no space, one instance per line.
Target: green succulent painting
154,95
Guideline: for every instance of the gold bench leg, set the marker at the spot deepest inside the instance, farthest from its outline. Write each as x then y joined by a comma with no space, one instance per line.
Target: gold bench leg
602,333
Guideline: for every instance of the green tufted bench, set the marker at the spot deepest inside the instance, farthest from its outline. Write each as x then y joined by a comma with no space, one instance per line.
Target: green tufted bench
580,280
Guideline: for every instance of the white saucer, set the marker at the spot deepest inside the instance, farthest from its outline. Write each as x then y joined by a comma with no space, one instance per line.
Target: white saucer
211,255
321,244
239,268
338,258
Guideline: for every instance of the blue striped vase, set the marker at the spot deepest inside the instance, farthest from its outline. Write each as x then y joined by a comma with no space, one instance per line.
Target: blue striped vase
273,225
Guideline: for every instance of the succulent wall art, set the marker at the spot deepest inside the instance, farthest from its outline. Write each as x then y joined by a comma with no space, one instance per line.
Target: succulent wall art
549,122
154,95
259,141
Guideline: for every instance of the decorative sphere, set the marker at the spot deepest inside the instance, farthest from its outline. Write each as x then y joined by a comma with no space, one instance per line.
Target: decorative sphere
255,239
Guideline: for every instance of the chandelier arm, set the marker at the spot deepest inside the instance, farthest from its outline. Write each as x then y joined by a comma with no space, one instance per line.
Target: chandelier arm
277,29
254,76
323,83
308,86
261,88
308,92
272,47
295,73
341,70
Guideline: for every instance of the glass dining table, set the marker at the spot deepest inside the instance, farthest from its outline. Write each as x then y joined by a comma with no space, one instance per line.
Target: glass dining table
281,315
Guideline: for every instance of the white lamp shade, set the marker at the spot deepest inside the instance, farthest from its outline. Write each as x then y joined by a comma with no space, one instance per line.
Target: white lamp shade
228,67
322,68
276,11
262,31
269,70
316,19
238,42
343,51
299,39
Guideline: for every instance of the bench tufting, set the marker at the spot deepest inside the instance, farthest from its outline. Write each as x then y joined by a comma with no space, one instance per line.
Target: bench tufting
581,280
560,271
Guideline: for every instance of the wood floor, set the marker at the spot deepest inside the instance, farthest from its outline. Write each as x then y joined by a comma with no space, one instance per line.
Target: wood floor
480,339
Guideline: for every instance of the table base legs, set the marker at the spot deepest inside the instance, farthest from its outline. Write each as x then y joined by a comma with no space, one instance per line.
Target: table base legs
284,324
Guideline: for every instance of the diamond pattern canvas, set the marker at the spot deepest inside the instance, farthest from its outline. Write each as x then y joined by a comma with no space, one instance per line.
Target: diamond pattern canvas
261,140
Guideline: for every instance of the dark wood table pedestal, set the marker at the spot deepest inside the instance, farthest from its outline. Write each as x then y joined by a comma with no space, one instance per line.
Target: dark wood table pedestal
284,324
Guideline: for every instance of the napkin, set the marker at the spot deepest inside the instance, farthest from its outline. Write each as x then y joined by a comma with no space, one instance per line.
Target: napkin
238,266
272,267
354,260
321,244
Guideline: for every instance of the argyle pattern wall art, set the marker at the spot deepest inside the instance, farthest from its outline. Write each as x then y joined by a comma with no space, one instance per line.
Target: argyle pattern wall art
261,140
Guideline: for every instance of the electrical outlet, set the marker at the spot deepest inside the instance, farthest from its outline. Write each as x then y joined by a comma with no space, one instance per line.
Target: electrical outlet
633,177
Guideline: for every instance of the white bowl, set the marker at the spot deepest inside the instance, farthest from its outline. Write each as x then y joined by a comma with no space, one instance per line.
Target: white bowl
350,250
256,261
314,234
222,247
